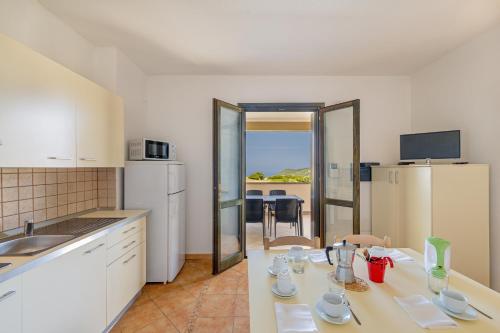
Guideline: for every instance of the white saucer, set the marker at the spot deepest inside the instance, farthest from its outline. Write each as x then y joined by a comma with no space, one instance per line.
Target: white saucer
469,313
278,293
346,316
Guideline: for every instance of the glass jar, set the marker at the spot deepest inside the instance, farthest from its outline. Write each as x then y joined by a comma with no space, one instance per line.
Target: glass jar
437,280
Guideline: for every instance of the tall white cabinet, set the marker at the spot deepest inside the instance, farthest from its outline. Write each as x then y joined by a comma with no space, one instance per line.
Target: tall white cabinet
410,203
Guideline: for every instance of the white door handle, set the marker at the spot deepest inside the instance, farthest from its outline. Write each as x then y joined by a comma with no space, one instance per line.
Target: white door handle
87,159
396,177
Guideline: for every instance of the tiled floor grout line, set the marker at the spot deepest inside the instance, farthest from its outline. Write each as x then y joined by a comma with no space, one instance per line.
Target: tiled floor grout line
202,286
194,314
164,315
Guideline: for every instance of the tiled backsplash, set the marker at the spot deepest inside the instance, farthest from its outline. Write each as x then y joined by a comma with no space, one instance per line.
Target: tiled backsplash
43,194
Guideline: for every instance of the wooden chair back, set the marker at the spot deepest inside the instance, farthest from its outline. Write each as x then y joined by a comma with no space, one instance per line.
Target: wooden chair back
292,240
369,240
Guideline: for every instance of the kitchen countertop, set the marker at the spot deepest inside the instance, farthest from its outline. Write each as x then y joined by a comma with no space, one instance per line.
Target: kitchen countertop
21,264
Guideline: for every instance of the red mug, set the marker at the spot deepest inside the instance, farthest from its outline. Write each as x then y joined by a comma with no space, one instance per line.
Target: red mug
376,268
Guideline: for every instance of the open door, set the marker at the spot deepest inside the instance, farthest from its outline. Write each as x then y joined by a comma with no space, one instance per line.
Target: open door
228,185
339,170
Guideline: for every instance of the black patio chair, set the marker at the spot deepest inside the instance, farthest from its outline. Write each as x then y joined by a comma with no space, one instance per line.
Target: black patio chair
286,211
254,213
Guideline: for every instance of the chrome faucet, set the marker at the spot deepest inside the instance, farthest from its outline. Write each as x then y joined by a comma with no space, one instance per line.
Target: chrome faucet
29,228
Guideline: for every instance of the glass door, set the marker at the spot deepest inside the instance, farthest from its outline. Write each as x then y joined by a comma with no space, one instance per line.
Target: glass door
339,171
228,185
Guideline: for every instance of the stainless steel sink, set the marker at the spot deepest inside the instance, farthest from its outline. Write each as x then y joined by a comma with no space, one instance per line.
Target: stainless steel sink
27,246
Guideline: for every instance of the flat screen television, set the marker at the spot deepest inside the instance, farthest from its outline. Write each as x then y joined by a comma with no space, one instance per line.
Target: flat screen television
434,145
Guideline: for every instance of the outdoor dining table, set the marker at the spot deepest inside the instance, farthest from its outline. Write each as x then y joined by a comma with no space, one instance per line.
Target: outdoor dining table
376,308
270,199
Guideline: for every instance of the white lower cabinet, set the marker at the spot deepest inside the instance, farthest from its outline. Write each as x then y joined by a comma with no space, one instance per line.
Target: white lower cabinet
82,291
10,305
67,294
126,276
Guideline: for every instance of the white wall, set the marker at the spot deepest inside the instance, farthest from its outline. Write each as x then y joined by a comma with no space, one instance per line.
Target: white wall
462,91
180,109
31,24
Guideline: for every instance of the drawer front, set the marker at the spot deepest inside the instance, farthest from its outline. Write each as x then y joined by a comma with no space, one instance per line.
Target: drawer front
126,245
126,277
10,305
131,228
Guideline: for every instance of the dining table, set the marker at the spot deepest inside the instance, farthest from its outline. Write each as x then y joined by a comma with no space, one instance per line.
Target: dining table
375,308
271,199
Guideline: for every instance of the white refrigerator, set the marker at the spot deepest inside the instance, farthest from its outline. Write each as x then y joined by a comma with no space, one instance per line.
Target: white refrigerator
160,186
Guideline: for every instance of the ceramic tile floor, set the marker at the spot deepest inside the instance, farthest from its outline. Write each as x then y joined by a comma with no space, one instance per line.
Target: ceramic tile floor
195,302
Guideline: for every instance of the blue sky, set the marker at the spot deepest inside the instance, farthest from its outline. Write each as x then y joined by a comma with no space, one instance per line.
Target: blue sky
271,152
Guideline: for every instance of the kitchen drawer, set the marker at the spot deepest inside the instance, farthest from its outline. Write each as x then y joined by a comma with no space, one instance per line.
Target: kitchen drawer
126,245
10,305
131,228
126,277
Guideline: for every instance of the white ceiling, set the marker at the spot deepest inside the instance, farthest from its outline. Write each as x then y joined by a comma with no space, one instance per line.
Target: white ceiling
279,37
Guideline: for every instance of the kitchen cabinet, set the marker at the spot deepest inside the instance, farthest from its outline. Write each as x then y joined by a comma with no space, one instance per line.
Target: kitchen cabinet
100,141
116,130
10,305
38,117
126,266
384,204
411,203
126,277
92,103
53,117
67,294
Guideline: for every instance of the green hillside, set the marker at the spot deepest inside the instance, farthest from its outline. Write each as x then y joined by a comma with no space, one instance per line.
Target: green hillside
285,176
305,172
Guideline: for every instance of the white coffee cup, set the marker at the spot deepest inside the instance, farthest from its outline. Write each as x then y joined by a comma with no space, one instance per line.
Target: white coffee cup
284,283
333,304
279,263
453,300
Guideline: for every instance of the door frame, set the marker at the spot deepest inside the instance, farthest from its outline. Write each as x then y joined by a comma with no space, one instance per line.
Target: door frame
216,267
355,204
298,107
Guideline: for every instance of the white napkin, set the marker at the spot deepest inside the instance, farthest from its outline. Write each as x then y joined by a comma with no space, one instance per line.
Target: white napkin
425,313
398,256
317,256
294,318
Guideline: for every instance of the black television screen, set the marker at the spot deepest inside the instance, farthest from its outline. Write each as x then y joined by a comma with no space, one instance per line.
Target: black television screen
435,145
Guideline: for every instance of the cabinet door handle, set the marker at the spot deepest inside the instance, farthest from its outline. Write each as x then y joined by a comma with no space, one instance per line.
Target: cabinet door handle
126,231
396,177
7,295
87,159
125,246
390,177
132,257
93,249
59,158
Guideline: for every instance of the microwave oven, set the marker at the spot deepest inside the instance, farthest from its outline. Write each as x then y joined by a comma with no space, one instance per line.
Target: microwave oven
148,149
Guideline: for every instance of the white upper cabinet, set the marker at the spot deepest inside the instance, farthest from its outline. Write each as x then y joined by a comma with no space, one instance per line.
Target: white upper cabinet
52,117
116,140
92,104
37,111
